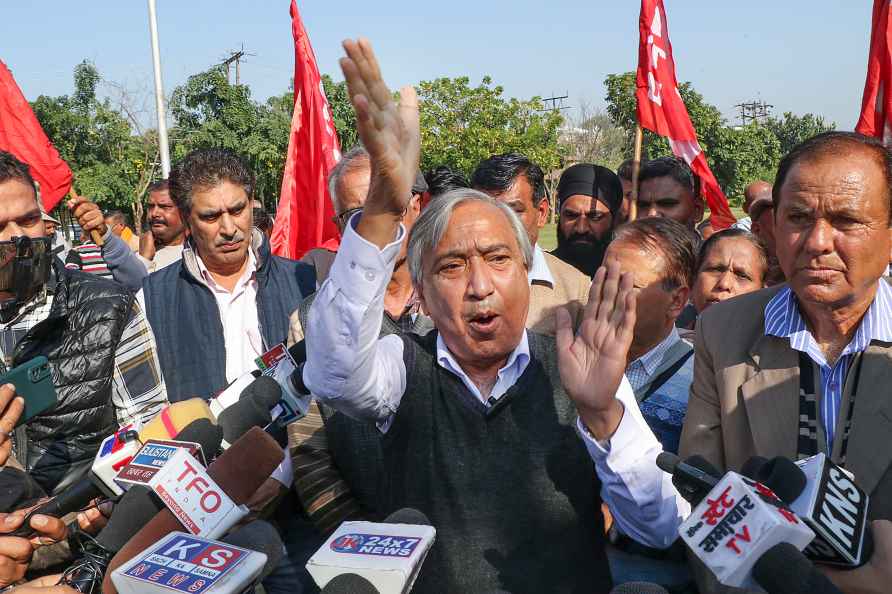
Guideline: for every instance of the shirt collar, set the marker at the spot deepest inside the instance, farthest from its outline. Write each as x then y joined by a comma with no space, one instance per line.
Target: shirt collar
652,358
519,357
539,271
246,276
784,320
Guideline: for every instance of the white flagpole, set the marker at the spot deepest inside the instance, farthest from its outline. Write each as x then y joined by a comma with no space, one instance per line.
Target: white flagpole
159,94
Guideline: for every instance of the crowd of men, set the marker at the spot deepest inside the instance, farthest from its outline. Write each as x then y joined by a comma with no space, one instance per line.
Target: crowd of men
517,397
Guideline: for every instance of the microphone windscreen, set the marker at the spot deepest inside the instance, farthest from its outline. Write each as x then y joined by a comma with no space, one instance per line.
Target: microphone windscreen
783,569
133,511
639,588
667,462
239,471
172,419
349,583
252,409
265,391
782,476
751,467
407,515
204,433
262,537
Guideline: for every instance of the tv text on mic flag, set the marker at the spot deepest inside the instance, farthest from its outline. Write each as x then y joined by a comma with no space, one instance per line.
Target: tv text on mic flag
876,105
21,135
304,219
661,109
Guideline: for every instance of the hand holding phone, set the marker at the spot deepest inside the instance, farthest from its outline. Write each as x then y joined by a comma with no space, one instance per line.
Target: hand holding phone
11,409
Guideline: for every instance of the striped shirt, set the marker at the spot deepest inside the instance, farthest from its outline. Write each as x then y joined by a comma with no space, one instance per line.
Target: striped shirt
138,391
783,320
640,370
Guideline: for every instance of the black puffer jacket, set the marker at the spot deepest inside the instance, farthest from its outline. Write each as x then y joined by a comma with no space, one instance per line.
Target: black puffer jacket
79,338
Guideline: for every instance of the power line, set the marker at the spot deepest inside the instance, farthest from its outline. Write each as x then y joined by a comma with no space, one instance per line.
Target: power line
754,111
235,56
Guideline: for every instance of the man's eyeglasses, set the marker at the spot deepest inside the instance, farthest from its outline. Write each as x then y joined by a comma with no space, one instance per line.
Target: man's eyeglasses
342,217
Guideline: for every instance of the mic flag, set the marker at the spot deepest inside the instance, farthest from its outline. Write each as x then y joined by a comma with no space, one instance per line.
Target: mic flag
304,219
876,104
661,109
21,135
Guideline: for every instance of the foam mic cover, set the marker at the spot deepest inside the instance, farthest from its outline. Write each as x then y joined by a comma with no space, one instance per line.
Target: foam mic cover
782,476
693,477
407,515
262,537
349,583
639,588
783,569
139,504
751,467
172,419
239,472
252,408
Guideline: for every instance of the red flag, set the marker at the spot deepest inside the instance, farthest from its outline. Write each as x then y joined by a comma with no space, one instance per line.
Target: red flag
304,217
876,105
661,109
21,135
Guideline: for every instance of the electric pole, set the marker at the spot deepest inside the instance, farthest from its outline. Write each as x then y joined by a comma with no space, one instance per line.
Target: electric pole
237,57
753,111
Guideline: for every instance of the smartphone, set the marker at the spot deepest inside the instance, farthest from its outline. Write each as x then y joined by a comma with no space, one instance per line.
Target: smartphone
33,382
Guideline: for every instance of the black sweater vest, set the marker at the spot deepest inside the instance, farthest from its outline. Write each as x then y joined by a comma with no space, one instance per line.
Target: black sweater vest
511,490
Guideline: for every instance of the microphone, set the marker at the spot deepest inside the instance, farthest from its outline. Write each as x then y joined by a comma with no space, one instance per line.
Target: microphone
693,477
388,554
262,537
239,472
829,501
736,521
349,583
783,569
251,410
168,423
639,588
139,504
187,563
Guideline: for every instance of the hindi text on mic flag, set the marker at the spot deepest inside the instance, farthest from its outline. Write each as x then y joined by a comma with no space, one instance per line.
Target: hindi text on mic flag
876,105
21,135
304,217
661,109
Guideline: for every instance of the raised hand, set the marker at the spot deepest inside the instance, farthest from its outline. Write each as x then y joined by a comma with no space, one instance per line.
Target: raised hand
592,361
390,134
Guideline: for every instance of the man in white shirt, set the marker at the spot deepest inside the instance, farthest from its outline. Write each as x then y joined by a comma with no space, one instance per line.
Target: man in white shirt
515,503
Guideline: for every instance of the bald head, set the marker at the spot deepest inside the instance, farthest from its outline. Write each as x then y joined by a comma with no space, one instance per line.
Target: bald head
755,191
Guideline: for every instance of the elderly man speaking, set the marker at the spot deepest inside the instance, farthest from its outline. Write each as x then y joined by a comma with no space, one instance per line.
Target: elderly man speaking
478,432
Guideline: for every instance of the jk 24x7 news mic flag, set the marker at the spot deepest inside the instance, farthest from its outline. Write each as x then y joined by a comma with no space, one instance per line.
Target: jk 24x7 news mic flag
661,109
876,105
304,219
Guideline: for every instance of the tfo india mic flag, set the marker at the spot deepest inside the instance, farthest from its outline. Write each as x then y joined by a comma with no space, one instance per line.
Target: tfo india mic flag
304,219
21,135
661,109
876,105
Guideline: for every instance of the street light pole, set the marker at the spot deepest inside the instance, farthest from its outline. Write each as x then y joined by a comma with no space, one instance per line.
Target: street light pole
163,148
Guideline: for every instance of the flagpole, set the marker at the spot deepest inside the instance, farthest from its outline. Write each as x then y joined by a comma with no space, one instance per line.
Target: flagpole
159,94
636,166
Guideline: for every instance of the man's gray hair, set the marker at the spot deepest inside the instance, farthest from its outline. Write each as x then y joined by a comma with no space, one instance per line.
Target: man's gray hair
349,160
431,226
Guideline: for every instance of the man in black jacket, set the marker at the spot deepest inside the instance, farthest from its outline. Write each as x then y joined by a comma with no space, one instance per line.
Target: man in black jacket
99,345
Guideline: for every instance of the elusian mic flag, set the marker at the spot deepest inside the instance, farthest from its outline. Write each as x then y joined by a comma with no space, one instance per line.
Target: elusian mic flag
304,217
21,135
661,109
876,105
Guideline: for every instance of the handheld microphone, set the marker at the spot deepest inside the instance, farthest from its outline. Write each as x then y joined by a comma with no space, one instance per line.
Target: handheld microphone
783,569
173,418
251,410
349,583
693,477
388,555
735,523
239,471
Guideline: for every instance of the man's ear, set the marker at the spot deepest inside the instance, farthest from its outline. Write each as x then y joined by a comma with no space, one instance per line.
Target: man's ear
542,212
679,301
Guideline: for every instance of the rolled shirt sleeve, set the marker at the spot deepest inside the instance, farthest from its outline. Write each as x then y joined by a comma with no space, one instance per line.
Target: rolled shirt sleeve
644,503
348,366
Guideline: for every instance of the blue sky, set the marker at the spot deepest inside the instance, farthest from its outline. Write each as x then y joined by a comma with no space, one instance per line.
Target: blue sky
797,55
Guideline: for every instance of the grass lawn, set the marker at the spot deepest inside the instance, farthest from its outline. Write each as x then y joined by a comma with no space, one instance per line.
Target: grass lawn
548,237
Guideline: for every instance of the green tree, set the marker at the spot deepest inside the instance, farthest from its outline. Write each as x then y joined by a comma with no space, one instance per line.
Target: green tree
341,111
462,125
792,129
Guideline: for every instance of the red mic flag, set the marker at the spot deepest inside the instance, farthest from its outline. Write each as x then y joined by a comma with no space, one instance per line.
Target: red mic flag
661,109
21,135
876,105
304,218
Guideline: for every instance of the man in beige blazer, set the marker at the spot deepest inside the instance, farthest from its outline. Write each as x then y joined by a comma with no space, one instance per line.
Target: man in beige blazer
518,182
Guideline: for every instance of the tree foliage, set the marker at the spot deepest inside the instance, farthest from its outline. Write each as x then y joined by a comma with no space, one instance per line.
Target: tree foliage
463,124
737,155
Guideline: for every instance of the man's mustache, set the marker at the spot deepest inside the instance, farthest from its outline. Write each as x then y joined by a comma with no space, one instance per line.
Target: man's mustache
236,238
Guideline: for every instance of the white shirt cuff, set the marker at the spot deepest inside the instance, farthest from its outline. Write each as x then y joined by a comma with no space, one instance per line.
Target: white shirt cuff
284,473
364,269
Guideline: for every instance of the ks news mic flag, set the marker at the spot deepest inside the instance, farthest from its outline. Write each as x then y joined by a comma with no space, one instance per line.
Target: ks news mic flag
876,104
661,109
21,135
304,217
